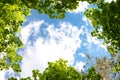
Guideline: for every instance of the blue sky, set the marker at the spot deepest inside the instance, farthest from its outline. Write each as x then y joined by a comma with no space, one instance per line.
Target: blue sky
47,39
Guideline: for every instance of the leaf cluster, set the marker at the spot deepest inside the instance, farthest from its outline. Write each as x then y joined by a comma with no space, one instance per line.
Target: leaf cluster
105,20
60,70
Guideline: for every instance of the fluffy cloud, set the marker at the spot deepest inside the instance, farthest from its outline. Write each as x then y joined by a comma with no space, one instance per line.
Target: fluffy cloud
62,42
82,55
79,66
87,21
81,8
109,1
2,75
29,29
91,40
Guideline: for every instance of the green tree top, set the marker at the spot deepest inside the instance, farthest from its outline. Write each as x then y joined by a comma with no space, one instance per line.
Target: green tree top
105,20
59,70
12,15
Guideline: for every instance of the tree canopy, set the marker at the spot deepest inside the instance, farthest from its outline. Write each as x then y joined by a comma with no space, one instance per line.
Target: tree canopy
12,15
60,70
105,20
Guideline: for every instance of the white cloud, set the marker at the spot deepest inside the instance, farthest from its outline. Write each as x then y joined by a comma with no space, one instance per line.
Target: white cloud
10,73
81,8
2,75
87,21
79,66
109,1
90,39
29,29
82,55
62,43
94,40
